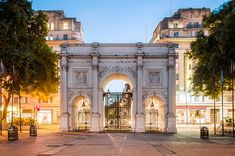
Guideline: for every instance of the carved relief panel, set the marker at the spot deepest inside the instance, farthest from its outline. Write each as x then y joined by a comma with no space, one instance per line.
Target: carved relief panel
81,77
153,77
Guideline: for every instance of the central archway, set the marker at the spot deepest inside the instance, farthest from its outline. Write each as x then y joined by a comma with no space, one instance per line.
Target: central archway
118,107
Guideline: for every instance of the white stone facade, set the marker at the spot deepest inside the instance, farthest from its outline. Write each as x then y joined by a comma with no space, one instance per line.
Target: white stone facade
87,68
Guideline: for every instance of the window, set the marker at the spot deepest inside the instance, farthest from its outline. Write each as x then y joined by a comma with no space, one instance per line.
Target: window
175,25
24,100
51,99
191,98
203,98
189,25
176,45
52,26
196,25
197,98
177,76
15,99
176,34
66,25
229,98
51,37
46,38
65,37
43,100
177,98
177,87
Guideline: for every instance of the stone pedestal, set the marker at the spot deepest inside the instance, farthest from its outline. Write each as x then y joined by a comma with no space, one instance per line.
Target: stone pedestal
139,123
171,126
64,122
95,117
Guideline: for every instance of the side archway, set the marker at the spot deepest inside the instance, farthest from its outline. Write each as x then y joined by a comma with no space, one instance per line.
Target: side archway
155,113
80,115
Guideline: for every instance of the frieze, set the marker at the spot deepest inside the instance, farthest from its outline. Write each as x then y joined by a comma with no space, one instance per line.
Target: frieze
78,92
131,70
147,93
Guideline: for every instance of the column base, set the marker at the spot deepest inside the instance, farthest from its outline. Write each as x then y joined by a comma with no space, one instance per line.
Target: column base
139,123
95,122
64,122
171,126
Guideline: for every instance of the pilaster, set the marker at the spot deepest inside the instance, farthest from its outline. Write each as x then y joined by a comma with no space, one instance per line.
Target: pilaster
139,117
171,117
95,115
64,118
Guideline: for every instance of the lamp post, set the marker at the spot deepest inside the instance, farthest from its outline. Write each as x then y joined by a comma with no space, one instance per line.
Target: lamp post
150,113
232,74
84,111
213,86
222,90
157,119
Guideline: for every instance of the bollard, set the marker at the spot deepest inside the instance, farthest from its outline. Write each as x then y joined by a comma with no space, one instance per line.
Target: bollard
12,133
33,131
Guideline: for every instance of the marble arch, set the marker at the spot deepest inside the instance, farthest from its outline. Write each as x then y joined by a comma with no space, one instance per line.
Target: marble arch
86,69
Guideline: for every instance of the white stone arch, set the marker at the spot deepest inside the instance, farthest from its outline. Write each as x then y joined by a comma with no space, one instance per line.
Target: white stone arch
162,108
73,108
121,75
128,75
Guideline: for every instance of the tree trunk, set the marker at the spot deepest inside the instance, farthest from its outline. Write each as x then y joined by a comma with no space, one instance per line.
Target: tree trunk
6,102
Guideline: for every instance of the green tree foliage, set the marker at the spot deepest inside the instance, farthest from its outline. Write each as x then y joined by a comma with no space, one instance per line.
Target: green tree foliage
214,52
31,66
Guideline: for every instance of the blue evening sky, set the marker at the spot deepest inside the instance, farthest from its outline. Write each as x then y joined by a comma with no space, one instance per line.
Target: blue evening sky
120,20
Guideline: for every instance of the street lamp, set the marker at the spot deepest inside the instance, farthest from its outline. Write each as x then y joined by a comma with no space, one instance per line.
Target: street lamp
83,103
232,75
84,110
150,113
157,118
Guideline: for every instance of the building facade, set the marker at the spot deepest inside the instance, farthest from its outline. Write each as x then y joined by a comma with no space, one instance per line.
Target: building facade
181,29
148,102
61,30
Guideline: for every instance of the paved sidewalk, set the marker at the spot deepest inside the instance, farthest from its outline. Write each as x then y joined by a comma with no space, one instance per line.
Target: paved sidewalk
185,143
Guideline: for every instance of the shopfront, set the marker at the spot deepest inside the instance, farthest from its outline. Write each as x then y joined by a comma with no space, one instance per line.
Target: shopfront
44,117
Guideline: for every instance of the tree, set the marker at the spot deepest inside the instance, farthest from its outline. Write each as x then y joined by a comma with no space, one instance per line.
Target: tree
213,53
30,65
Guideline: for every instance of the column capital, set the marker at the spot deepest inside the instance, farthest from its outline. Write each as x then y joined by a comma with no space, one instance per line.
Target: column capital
140,55
95,54
171,115
65,114
139,66
65,66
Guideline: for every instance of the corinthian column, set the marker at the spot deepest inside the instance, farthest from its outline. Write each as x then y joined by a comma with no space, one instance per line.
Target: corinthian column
139,117
171,117
64,118
95,115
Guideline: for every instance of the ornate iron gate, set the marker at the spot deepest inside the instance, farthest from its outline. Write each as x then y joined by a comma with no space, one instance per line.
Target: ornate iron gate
117,111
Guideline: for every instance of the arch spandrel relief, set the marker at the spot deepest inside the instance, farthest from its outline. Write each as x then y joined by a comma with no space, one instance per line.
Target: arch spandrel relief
77,92
105,71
